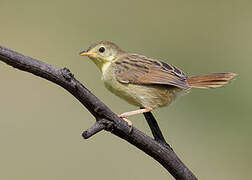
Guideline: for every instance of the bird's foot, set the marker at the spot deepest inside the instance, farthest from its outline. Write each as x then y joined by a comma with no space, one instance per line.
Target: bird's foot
130,124
127,121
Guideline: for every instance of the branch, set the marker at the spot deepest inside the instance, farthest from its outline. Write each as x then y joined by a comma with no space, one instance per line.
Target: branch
156,132
105,118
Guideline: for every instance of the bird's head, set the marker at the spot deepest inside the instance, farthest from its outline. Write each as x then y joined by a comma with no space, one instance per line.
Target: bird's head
103,53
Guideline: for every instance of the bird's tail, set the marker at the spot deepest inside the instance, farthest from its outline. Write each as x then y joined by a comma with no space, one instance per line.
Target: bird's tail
210,80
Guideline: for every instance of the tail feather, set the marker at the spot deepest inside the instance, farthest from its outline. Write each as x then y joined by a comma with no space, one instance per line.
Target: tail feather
210,80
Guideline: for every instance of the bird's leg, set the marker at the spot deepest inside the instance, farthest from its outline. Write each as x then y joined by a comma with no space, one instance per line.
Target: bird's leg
139,111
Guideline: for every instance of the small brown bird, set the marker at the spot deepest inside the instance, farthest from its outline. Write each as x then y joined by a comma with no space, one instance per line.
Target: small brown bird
145,82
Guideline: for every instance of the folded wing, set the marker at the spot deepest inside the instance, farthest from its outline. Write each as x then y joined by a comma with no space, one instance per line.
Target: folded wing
137,69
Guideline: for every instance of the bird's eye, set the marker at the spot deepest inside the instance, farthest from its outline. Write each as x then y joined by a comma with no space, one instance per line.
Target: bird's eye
102,49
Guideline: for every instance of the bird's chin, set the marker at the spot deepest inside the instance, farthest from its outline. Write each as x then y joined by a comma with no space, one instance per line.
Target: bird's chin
98,62
95,59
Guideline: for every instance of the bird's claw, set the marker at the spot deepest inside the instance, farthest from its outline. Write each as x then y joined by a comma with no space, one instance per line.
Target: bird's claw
130,124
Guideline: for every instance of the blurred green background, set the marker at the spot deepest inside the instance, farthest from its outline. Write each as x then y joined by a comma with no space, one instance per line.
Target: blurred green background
41,124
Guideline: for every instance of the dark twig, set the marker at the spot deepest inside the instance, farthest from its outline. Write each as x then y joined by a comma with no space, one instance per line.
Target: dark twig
156,132
100,125
97,127
106,119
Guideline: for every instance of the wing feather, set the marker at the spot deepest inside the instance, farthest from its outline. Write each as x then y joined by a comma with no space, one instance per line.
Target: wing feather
137,69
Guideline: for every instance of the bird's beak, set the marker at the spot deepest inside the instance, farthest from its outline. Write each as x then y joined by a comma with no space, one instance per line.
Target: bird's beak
85,53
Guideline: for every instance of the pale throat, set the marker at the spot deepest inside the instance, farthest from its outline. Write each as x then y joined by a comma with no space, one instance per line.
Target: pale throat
105,66
102,65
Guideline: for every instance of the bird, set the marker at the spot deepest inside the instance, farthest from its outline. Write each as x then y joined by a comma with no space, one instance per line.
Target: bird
146,82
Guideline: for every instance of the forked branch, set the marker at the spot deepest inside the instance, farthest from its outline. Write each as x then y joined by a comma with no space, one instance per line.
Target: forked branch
105,118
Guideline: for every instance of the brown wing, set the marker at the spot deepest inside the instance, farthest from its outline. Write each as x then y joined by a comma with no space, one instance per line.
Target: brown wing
138,69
